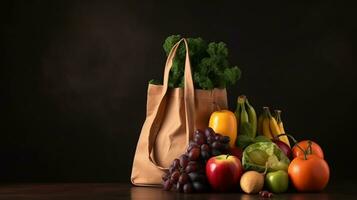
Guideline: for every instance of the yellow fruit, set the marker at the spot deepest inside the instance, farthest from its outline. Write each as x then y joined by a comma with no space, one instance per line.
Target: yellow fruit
274,128
283,138
266,128
224,122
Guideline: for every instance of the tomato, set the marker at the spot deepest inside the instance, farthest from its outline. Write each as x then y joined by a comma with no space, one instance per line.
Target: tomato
311,174
315,149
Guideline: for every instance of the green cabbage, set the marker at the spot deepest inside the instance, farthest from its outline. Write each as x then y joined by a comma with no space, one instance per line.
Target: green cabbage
261,154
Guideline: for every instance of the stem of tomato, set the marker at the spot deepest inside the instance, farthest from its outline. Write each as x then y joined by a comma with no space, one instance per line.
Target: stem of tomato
227,156
309,148
305,153
295,143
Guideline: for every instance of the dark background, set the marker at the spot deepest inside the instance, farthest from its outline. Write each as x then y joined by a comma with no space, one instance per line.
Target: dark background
74,77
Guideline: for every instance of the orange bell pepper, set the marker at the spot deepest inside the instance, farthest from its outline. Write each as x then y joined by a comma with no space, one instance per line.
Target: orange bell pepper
224,122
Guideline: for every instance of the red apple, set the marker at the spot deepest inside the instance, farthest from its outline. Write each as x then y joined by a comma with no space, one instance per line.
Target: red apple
224,172
237,152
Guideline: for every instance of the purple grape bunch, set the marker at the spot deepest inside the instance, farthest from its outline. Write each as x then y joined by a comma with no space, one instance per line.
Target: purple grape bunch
187,173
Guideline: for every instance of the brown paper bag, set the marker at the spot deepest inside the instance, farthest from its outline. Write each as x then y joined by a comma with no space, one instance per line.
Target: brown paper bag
171,117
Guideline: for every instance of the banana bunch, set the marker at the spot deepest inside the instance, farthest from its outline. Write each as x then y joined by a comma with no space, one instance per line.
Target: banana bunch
270,126
246,117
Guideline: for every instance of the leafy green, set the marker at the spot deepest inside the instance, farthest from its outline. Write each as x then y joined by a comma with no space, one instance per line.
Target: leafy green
245,140
209,62
274,158
154,81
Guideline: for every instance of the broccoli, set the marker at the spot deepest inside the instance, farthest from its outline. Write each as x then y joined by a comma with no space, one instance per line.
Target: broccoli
209,62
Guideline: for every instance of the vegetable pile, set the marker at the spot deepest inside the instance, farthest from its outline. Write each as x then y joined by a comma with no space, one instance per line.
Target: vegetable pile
209,62
238,151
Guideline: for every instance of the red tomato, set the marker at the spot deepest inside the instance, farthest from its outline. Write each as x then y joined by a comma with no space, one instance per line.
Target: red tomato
311,174
315,149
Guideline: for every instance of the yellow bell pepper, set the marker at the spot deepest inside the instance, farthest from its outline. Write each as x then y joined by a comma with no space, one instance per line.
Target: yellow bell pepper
224,122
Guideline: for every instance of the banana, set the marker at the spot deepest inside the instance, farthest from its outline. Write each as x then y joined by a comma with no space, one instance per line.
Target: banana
244,118
237,114
277,116
266,124
284,138
252,117
281,126
274,128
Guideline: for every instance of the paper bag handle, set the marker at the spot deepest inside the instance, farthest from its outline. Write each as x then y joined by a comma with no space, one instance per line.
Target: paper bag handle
189,100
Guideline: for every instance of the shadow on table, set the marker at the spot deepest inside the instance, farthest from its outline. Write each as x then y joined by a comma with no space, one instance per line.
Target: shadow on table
138,193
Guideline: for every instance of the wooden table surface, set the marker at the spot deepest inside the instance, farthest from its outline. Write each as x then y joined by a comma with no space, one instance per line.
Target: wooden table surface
117,191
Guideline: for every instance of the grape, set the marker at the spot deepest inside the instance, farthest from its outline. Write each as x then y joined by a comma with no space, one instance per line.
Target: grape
210,139
198,177
187,173
199,187
191,168
224,139
195,163
176,163
175,176
209,132
193,176
183,178
216,145
205,155
171,169
216,152
165,176
217,137
199,141
194,153
179,187
198,133
265,194
199,138
183,161
191,143
167,185
191,146
187,188
205,147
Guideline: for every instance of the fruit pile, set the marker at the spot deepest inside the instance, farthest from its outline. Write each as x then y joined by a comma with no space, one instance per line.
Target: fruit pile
187,173
240,152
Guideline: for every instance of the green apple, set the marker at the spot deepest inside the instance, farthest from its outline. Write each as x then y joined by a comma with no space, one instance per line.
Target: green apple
277,181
